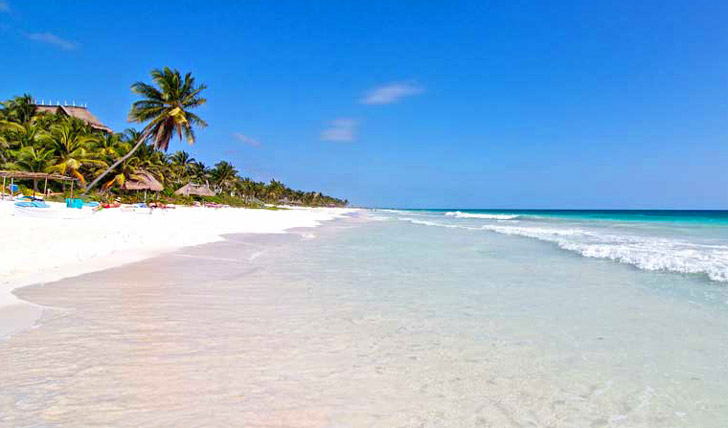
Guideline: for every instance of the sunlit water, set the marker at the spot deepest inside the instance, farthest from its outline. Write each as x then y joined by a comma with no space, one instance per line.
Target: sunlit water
381,321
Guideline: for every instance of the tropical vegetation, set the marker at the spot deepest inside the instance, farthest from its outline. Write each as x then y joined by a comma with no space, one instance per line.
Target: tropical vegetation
35,141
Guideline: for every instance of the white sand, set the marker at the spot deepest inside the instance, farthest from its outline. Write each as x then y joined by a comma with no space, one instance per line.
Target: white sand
38,250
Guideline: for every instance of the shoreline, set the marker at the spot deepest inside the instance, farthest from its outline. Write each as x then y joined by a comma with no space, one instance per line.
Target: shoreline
46,250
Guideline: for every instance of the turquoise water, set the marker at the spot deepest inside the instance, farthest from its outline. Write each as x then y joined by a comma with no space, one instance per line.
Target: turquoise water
682,242
681,216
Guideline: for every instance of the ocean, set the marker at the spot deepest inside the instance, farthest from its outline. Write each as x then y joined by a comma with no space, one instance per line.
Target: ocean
394,318
686,242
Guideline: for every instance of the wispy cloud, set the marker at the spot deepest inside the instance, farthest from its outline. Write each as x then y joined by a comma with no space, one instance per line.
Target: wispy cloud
52,39
391,93
4,6
343,130
252,142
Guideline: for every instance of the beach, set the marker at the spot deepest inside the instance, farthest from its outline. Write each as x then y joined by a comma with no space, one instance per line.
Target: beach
41,250
373,320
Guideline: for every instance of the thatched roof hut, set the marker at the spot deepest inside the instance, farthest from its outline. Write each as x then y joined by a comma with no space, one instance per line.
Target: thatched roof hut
143,180
75,111
194,189
35,176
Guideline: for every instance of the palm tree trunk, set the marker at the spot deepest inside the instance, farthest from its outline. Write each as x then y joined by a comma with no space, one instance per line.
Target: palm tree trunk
142,139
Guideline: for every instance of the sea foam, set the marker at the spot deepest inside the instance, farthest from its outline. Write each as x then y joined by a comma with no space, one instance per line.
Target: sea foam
645,252
459,214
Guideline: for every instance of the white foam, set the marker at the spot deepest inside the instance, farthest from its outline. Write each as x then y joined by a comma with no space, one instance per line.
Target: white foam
432,223
647,253
459,214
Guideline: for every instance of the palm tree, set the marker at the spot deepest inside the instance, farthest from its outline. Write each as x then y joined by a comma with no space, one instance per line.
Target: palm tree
182,158
70,150
8,131
165,109
19,109
181,164
200,173
32,159
276,189
224,175
110,145
127,171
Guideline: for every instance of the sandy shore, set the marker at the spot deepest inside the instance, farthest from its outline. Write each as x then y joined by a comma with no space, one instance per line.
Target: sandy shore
39,250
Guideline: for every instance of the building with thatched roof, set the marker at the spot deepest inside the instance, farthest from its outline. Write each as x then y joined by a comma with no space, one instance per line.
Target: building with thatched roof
194,189
143,180
79,112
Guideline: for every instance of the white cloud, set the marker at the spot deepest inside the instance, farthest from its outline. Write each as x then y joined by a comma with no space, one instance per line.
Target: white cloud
52,39
246,140
340,130
4,6
391,93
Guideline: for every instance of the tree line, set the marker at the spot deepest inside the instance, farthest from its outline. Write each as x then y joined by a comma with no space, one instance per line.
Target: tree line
103,162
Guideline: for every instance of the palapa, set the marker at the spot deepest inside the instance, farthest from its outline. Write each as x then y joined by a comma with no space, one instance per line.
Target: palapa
143,180
194,189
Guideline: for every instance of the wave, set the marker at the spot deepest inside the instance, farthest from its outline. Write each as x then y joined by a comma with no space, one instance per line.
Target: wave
432,223
646,253
459,214
392,211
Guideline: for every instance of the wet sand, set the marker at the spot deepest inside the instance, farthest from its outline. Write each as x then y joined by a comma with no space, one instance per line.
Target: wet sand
160,342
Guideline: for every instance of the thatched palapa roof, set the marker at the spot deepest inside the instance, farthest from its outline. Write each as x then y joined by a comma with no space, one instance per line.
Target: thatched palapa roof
194,189
76,111
143,180
23,175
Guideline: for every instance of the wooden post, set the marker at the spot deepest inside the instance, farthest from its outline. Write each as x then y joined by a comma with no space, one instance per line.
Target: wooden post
3,191
72,181
45,188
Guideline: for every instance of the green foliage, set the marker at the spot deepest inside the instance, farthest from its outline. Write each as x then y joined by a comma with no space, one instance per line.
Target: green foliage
44,142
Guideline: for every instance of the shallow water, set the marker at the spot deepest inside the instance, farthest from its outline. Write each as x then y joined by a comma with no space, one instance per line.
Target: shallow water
372,323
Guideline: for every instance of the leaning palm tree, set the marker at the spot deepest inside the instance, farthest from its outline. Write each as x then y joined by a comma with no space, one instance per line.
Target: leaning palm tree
166,111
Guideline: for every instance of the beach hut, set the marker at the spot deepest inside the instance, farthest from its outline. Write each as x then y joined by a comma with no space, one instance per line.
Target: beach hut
35,176
143,180
194,189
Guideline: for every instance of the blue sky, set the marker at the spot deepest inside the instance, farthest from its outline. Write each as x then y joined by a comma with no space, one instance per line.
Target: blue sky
573,104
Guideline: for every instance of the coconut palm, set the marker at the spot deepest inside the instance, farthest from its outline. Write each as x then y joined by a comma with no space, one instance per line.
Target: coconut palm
34,159
276,189
111,145
8,137
15,136
200,173
223,176
19,109
182,158
166,109
70,150
180,164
